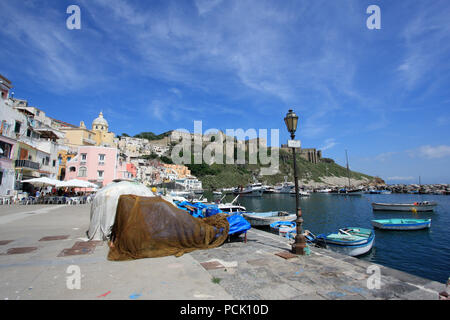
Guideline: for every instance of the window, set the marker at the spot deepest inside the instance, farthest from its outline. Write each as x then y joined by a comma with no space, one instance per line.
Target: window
1,177
54,163
83,157
17,127
5,150
72,169
82,172
28,132
101,159
100,174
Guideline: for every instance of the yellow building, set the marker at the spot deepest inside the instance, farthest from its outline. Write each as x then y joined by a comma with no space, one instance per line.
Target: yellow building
97,136
181,170
63,157
102,136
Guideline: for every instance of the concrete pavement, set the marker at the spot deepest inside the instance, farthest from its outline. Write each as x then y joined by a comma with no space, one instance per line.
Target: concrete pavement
235,270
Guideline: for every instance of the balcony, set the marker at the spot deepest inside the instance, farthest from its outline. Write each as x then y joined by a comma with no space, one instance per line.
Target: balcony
27,164
89,141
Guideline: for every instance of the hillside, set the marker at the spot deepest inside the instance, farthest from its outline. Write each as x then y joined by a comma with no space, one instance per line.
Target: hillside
222,175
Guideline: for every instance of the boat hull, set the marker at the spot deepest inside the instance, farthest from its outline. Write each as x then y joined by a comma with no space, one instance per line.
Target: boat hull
403,224
351,248
251,193
353,251
266,220
403,207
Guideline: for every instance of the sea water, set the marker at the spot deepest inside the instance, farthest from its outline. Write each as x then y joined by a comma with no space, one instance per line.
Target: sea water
425,253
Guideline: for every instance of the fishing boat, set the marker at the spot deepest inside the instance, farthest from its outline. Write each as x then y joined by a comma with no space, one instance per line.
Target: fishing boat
402,224
285,187
283,226
231,207
350,241
251,190
414,207
266,218
301,193
326,190
349,191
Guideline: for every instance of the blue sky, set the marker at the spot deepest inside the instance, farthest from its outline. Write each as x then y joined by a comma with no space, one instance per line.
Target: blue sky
159,65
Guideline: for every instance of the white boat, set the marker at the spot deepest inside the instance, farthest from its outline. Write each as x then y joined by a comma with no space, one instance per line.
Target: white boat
286,187
180,193
350,241
414,207
217,193
230,207
228,190
251,190
301,193
266,218
326,190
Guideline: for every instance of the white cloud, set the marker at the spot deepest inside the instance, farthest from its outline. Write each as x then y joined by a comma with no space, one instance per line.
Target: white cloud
397,178
384,156
205,6
328,144
432,152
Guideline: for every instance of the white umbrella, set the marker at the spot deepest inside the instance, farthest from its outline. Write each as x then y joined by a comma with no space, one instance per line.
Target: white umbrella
41,182
75,183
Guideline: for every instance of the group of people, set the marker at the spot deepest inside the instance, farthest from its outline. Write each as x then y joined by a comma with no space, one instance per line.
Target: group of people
68,192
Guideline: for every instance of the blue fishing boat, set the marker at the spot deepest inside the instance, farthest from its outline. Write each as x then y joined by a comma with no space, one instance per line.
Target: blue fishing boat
283,227
350,241
402,224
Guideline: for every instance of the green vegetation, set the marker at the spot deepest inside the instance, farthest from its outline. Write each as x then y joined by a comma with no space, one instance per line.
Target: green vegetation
151,136
226,175
216,280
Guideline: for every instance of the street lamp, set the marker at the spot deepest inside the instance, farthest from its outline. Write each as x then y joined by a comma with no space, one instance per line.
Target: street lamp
291,121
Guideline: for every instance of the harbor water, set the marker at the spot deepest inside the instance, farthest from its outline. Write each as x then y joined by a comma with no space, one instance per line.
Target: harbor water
425,253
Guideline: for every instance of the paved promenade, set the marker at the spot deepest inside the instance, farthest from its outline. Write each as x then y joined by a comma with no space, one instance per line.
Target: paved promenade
42,248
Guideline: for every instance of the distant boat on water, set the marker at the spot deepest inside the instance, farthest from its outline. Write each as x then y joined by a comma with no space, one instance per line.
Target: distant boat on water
414,207
251,190
402,224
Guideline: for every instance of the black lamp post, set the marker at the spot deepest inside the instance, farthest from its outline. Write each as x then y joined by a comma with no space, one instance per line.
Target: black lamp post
291,121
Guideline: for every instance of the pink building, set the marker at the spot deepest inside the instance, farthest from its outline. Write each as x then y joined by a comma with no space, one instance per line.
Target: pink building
99,165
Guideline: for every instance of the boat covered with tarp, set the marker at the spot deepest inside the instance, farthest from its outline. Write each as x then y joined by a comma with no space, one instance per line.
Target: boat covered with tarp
148,227
402,224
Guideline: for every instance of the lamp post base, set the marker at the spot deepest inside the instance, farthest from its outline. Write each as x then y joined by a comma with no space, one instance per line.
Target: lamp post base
299,246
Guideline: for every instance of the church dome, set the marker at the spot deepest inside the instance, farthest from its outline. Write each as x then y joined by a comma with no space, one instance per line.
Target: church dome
100,121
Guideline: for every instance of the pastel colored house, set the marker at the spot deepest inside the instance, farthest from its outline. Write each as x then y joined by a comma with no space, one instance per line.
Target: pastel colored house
99,165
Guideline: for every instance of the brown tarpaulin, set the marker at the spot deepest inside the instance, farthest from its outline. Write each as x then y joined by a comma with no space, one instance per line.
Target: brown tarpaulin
148,227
